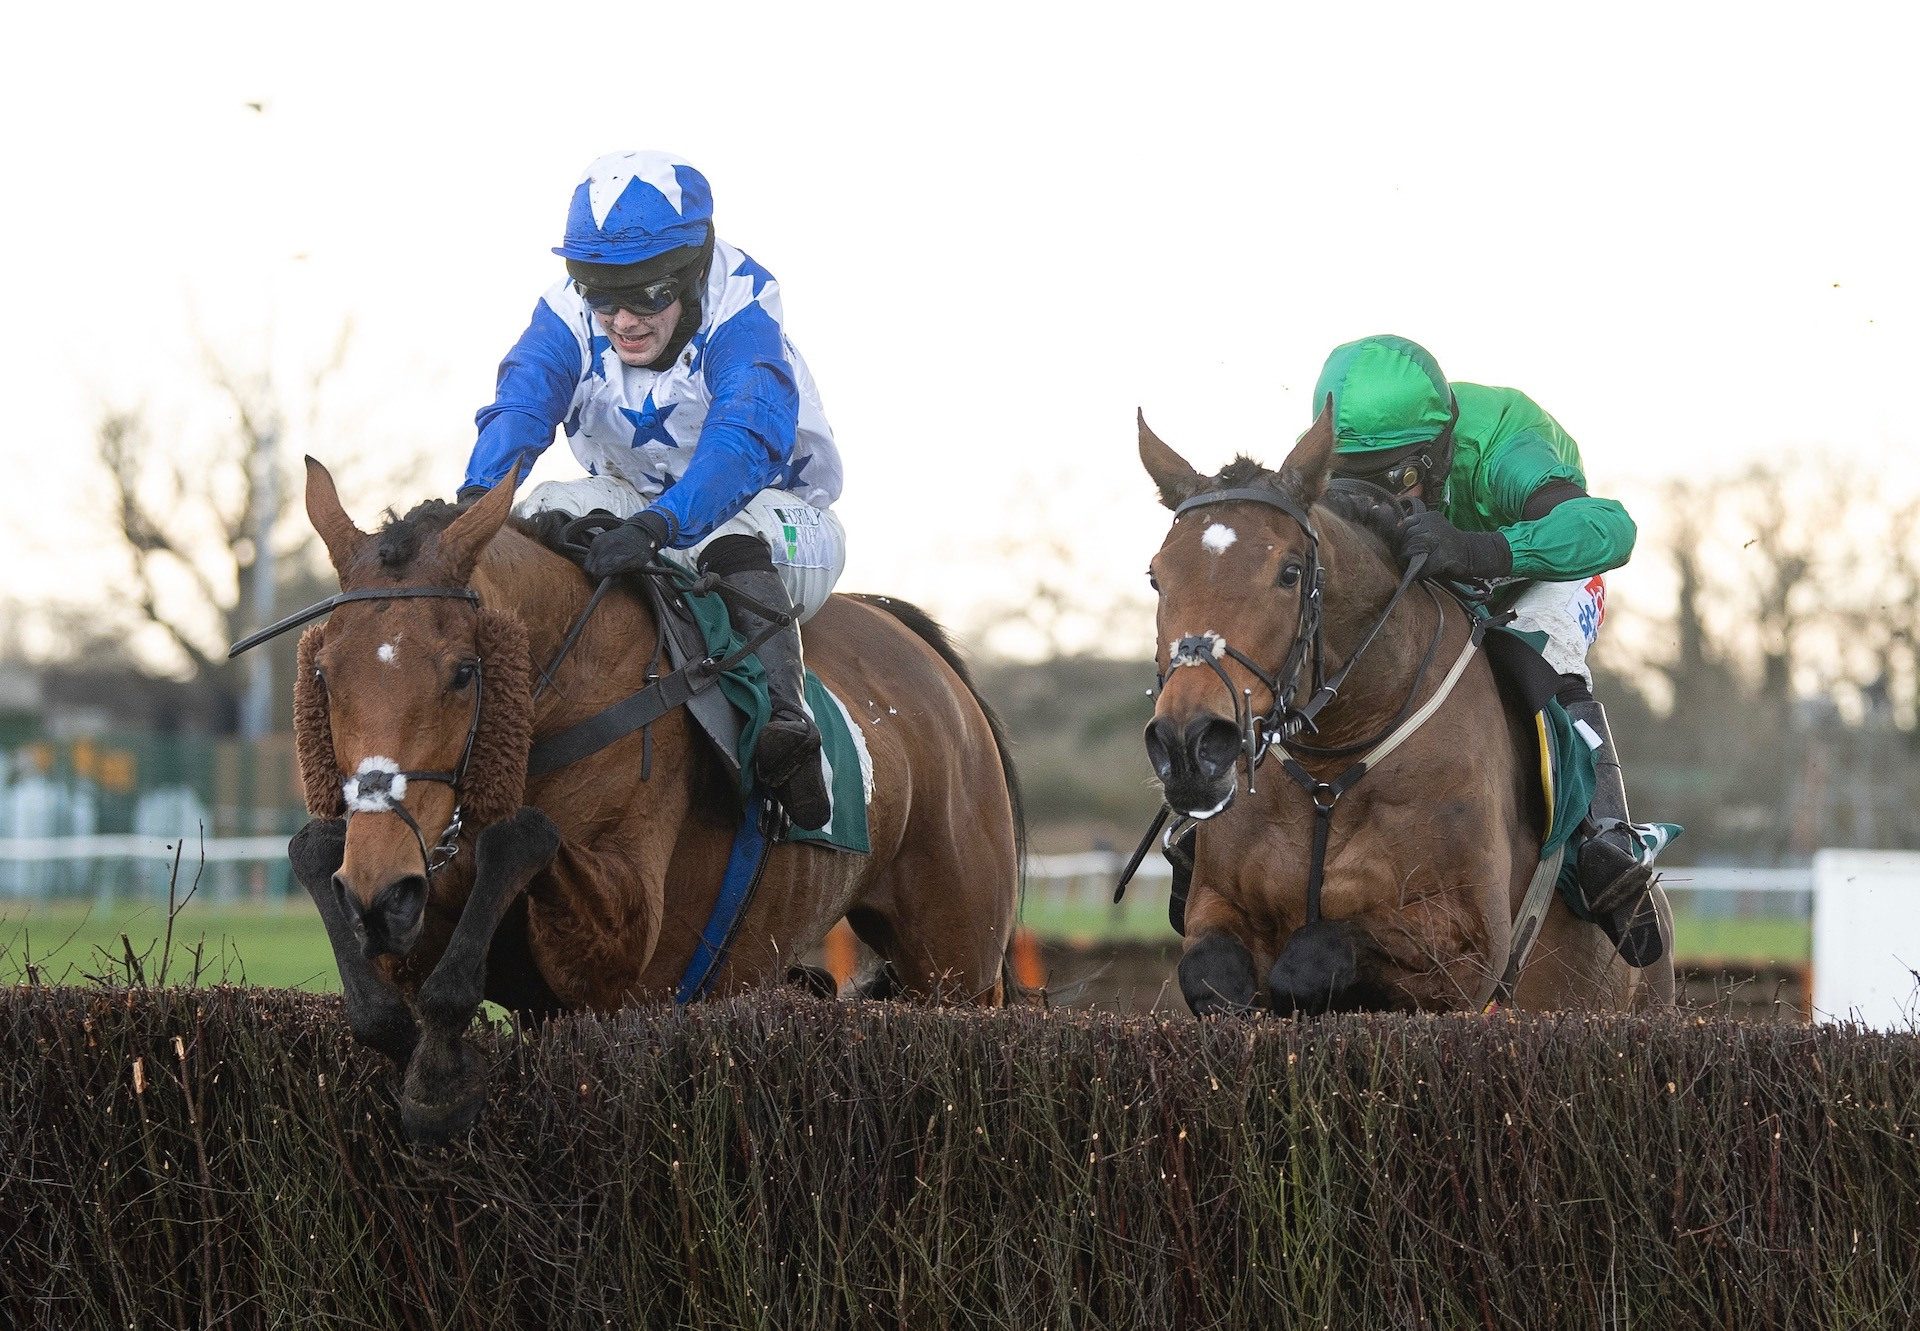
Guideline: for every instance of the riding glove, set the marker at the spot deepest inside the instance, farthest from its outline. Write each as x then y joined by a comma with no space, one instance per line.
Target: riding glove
468,493
629,547
1452,553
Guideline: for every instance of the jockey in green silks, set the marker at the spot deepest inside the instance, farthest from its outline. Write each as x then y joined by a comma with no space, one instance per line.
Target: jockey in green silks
1507,503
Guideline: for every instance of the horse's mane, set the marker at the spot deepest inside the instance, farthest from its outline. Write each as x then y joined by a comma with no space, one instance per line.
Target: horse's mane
402,537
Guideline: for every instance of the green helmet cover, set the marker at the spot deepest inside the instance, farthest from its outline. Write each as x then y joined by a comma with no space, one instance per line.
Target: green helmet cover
1387,393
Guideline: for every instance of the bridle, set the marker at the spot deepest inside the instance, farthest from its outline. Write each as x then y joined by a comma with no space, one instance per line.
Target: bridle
1282,724
375,787
1282,721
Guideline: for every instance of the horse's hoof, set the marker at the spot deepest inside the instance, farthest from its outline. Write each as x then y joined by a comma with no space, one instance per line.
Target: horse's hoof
1318,968
1216,977
444,1090
438,1124
815,980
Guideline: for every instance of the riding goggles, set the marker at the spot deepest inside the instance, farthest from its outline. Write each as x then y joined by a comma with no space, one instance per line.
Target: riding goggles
651,298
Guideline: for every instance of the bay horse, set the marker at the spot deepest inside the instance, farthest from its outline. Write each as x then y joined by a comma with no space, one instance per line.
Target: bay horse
587,888
1263,580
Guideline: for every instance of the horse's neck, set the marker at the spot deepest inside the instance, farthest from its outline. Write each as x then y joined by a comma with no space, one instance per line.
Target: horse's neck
548,594
1359,586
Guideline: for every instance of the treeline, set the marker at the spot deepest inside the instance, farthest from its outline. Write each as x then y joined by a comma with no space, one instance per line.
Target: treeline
228,1158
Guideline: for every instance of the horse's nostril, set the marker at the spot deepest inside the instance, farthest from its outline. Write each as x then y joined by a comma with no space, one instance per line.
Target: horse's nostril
1162,737
1215,744
392,922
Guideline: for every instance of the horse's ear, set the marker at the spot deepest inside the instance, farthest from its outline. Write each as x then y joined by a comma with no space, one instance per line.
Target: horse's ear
329,518
467,535
1175,476
1304,474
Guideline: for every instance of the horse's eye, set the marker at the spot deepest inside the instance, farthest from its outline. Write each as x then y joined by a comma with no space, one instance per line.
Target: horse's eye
1152,581
1290,574
463,675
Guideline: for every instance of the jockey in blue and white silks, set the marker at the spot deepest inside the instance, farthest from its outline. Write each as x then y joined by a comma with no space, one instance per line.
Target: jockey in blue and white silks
664,358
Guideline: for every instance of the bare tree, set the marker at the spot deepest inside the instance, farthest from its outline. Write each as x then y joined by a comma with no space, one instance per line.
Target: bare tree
197,521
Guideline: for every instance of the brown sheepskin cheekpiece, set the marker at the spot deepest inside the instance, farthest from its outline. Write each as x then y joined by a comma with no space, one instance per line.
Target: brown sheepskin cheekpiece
495,785
313,732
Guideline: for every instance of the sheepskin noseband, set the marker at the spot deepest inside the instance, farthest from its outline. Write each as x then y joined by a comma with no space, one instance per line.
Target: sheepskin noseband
494,784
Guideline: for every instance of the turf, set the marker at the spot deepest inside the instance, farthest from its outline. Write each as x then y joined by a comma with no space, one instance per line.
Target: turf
281,943
278,943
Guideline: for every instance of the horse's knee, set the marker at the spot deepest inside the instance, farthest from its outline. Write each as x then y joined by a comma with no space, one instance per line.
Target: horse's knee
1320,968
316,852
521,845
1216,976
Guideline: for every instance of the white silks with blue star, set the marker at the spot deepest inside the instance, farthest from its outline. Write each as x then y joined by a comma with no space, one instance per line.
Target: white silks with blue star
735,414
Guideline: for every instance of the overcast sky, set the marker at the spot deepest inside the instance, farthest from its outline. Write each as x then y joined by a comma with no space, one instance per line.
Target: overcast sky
1689,232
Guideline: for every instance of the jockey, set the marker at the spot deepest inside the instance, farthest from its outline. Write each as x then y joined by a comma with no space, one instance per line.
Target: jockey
1507,503
663,355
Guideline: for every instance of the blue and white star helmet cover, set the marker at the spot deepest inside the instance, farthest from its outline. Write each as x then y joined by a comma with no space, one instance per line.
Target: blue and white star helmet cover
631,206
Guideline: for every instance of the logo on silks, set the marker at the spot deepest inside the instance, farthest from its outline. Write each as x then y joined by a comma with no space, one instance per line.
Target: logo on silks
1593,608
791,520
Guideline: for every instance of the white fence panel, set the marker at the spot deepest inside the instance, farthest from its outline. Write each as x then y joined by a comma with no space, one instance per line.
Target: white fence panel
1866,937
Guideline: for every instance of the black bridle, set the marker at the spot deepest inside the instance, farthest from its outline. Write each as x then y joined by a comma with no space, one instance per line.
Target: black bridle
1282,723
373,788
382,789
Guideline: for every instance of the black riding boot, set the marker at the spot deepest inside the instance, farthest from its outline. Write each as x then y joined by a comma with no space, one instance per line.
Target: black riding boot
787,758
1614,879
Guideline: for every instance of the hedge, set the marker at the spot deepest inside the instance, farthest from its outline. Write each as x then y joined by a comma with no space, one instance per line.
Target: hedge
227,1157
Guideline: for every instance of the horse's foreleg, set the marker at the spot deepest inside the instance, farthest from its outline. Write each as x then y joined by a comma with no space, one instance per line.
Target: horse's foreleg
376,1013
446,1079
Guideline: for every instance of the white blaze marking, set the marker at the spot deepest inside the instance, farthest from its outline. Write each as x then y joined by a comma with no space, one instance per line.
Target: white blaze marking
1218,537
386,653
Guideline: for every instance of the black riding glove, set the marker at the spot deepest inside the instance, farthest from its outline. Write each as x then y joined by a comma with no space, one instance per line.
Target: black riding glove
629,547
466,494
1452,553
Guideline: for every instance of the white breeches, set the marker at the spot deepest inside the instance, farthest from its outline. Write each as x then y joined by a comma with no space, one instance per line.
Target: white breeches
1570,614
809,545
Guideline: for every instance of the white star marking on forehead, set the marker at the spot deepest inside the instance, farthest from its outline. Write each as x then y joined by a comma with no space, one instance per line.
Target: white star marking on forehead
1218,537
607,179
386,653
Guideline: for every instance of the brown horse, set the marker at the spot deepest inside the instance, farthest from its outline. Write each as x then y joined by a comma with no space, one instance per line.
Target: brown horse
588,888
1427,859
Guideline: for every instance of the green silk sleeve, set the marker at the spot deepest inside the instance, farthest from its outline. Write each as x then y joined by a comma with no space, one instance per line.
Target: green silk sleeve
1577,539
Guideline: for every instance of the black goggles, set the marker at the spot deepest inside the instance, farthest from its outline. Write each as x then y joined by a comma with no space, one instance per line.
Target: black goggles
1429,460
651,298
1395,477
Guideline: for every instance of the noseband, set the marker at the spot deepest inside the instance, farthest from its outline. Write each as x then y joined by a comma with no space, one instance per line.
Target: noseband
377,785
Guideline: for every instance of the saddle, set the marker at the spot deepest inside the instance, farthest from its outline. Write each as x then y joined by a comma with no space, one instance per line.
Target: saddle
697,638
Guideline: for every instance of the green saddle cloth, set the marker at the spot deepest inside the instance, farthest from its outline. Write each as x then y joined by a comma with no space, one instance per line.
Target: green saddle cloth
843,750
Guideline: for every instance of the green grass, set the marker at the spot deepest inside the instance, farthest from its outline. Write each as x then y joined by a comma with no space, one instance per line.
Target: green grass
271,943
1697,936
282,943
